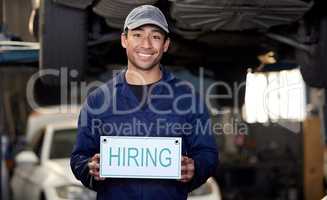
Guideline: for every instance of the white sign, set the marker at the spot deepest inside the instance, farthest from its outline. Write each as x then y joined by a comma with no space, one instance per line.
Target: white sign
140,157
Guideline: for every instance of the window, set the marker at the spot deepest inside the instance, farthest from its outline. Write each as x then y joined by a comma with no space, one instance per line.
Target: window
62,143
274,96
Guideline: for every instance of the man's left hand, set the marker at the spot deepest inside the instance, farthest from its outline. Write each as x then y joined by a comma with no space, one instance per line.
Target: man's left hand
187,169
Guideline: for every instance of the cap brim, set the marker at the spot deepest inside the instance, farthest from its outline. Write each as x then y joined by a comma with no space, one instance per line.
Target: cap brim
147,21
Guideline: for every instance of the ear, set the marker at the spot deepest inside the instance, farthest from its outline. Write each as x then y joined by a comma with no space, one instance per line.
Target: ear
166,45
123,40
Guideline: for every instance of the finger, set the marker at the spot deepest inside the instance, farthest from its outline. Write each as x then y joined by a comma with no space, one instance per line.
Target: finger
97,166
183,176
190,167
187,173
190,164
184,159
190,170
184,171
187,166
181,179
184,180
189,176
186,176
91,165
97,178
95,174
97,157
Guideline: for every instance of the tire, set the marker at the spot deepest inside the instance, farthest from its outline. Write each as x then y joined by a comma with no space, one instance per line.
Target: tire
313,65
63,39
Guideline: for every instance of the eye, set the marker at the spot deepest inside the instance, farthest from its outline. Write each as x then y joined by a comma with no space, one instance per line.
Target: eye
157,37
137,35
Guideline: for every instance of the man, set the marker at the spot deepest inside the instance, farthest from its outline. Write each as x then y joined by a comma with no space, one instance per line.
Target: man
145,93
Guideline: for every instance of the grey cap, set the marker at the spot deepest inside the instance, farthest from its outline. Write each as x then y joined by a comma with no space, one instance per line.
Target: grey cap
146,14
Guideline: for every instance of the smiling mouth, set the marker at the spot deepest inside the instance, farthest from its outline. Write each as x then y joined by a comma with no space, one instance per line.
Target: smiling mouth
144,55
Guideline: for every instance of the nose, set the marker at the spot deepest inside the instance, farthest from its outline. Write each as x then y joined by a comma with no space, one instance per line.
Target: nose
146,43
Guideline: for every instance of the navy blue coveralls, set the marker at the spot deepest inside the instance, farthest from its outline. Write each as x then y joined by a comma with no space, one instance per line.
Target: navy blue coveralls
180,105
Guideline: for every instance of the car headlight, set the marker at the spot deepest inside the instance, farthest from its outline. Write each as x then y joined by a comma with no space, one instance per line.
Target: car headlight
75,192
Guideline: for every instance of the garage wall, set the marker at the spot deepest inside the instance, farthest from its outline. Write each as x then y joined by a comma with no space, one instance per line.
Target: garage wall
1,7
13,102
15,16
288,142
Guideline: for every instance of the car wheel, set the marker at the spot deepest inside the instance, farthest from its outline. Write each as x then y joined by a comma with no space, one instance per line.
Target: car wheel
63,39
313,65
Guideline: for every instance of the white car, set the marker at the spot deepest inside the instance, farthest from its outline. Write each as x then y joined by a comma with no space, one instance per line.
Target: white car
43,116
43,171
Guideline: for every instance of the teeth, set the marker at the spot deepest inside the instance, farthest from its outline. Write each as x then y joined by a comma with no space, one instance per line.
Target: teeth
145,55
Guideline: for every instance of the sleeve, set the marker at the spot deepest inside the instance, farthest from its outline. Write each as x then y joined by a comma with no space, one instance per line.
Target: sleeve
202,148
86,146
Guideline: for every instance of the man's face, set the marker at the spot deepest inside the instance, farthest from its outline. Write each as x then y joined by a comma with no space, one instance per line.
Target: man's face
145,46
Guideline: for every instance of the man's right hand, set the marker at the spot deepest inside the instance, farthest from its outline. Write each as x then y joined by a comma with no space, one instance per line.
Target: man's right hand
94,166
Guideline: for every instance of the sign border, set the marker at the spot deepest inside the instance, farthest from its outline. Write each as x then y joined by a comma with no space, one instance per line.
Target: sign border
140,176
